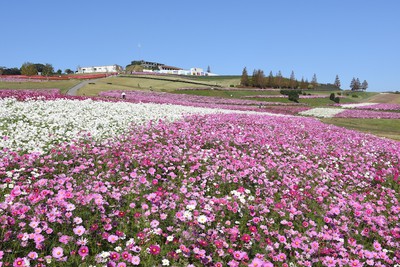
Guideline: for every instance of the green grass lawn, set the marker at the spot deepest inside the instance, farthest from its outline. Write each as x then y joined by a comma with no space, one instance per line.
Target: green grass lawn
380,127
63,85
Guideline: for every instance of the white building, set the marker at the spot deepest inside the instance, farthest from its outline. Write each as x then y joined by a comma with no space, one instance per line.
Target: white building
100,69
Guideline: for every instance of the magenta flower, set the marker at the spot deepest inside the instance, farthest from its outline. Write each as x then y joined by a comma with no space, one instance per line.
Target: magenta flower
19,262
154,249
83,251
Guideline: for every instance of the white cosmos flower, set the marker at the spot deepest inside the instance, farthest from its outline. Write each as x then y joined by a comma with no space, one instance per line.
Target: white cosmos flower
322,112
202,219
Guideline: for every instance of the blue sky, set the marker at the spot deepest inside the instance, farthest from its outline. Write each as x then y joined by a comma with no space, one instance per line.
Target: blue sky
353,38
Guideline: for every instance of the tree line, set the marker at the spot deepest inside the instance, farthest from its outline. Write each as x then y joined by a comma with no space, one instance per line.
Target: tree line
31,69
356,85
260,80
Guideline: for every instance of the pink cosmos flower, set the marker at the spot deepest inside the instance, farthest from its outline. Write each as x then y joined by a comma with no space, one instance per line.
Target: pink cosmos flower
58,252
355,263
135,260
112,238
281,256
79,230
33,255
377,246
19,262
83,251
237,255
64,239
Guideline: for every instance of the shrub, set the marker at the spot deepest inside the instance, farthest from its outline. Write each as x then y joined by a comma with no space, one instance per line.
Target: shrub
336,99
353,95
339,93
232,85
332,96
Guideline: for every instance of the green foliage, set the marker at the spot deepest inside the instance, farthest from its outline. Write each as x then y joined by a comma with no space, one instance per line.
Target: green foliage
68,71
336,99
293,95
244,80
28,69
354,95
332,96
47,70
11,71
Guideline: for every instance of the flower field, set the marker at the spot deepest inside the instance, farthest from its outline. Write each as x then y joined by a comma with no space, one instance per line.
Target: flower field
207,101
166,185
373,106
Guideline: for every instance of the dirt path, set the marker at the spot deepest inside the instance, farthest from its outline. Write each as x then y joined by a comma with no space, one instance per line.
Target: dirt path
385,98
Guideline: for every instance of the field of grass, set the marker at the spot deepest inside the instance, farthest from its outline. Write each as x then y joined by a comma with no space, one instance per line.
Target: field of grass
136,83
63,85
380,127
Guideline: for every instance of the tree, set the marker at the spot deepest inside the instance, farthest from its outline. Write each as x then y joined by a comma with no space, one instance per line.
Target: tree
270,82
68,71
47,70
59,72
337,82
258,79
292,80
314,81
279,79
364,85
244,80
11,71
355,84
28,69
208,69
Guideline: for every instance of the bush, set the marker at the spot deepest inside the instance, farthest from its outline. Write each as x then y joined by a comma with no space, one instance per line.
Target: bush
231,85
339,93
332,97
336,99
353,95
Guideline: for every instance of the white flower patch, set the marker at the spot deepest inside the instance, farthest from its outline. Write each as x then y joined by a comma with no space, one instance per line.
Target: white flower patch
37,125
322,112
356,105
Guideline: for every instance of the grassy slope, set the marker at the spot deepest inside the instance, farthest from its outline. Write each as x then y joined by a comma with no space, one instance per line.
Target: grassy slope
136,83
62,85
380,127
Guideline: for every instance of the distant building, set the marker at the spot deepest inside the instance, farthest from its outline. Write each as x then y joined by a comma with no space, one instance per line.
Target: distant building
155,67
102,69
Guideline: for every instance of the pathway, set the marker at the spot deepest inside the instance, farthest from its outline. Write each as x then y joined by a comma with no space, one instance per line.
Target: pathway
74,90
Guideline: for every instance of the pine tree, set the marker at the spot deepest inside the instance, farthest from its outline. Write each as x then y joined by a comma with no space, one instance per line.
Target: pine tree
314,81
292,80
364,85
353,84
270,80
358,84
258,79
337,82
208,69
279,79
244,80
